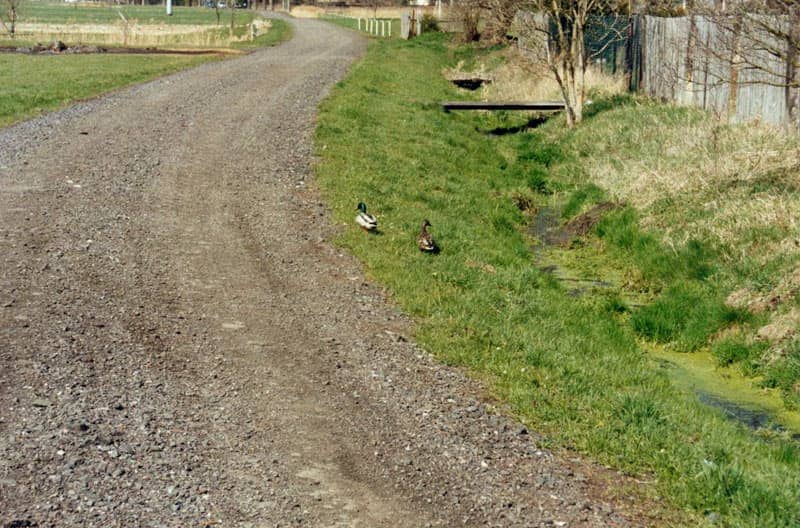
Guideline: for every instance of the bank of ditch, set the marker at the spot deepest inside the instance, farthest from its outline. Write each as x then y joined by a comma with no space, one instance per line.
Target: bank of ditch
575,366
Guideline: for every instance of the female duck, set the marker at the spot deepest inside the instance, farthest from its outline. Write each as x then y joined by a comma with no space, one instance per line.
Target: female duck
425,240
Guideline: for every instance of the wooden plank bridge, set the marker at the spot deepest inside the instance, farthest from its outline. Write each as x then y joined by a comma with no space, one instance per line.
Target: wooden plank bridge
534,106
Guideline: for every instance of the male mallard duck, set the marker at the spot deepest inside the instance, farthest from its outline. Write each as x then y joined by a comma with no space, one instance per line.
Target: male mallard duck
366,221
425,240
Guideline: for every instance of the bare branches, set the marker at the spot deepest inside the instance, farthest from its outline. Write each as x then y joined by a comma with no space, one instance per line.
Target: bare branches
468,14
499,15
9,14
556,34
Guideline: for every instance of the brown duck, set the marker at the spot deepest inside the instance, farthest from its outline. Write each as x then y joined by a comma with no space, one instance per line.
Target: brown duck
425,240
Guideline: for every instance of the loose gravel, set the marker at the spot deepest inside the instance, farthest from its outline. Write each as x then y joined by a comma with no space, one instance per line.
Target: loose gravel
181,345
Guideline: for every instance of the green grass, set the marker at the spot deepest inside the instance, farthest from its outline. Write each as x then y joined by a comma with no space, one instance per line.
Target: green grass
60,13
279,32
35,84
572,367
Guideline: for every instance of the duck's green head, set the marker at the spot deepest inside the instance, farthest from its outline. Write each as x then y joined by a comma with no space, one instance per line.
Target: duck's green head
362,207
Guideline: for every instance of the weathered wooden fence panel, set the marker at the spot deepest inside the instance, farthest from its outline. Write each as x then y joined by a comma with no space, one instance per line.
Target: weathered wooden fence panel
697,61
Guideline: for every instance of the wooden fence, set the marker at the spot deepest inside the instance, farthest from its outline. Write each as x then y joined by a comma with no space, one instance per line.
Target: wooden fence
733,68
741,69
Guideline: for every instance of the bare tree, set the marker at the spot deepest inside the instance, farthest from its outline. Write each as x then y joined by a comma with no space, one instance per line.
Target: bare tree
499,15
555,34
468,14
9,15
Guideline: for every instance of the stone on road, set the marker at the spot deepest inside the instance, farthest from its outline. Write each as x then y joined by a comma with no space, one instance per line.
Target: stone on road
179,342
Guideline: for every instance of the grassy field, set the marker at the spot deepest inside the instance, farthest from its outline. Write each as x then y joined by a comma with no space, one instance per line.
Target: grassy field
62,13
140,26
575,365
33,84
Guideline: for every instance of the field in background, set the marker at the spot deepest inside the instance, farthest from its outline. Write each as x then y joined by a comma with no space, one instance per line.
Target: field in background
34,83
307,11
42,12
137,26
573,357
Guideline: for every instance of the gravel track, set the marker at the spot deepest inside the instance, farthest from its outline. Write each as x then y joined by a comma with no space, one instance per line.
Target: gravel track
180,345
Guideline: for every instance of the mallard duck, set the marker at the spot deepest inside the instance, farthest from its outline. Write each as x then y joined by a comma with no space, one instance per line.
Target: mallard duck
425,240
366,221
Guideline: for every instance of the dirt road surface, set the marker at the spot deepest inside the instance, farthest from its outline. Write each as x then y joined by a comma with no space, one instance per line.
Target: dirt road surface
181,345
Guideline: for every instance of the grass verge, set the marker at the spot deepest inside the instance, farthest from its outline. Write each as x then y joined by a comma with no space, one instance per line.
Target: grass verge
36,84
572,367
279,31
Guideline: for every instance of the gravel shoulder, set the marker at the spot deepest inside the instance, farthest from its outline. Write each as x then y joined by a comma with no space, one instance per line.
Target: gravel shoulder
181,345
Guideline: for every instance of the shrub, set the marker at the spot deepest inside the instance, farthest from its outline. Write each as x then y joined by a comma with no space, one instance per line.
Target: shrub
429,23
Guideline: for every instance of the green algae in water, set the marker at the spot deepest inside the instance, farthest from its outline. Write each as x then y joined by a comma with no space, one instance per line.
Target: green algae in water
727,389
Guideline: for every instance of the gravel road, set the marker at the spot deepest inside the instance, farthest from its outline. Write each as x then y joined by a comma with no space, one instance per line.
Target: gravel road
181,345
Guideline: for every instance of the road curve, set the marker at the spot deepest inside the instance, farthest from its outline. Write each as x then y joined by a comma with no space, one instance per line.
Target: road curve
180,345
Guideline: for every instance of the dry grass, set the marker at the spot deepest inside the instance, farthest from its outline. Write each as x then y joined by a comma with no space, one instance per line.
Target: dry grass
723,182
132,33
309,11
519,79
693,176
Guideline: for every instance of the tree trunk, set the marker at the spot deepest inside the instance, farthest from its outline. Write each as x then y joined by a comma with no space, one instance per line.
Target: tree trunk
792,70
736,59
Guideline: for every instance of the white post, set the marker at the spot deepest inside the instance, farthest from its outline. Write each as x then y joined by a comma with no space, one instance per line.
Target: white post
359,24
169,7
383,29
389,26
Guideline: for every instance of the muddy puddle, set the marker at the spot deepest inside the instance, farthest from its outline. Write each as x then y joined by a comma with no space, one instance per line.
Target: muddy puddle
550,232
548,229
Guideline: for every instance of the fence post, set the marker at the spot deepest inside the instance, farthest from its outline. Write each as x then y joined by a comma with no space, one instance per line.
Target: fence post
405,26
